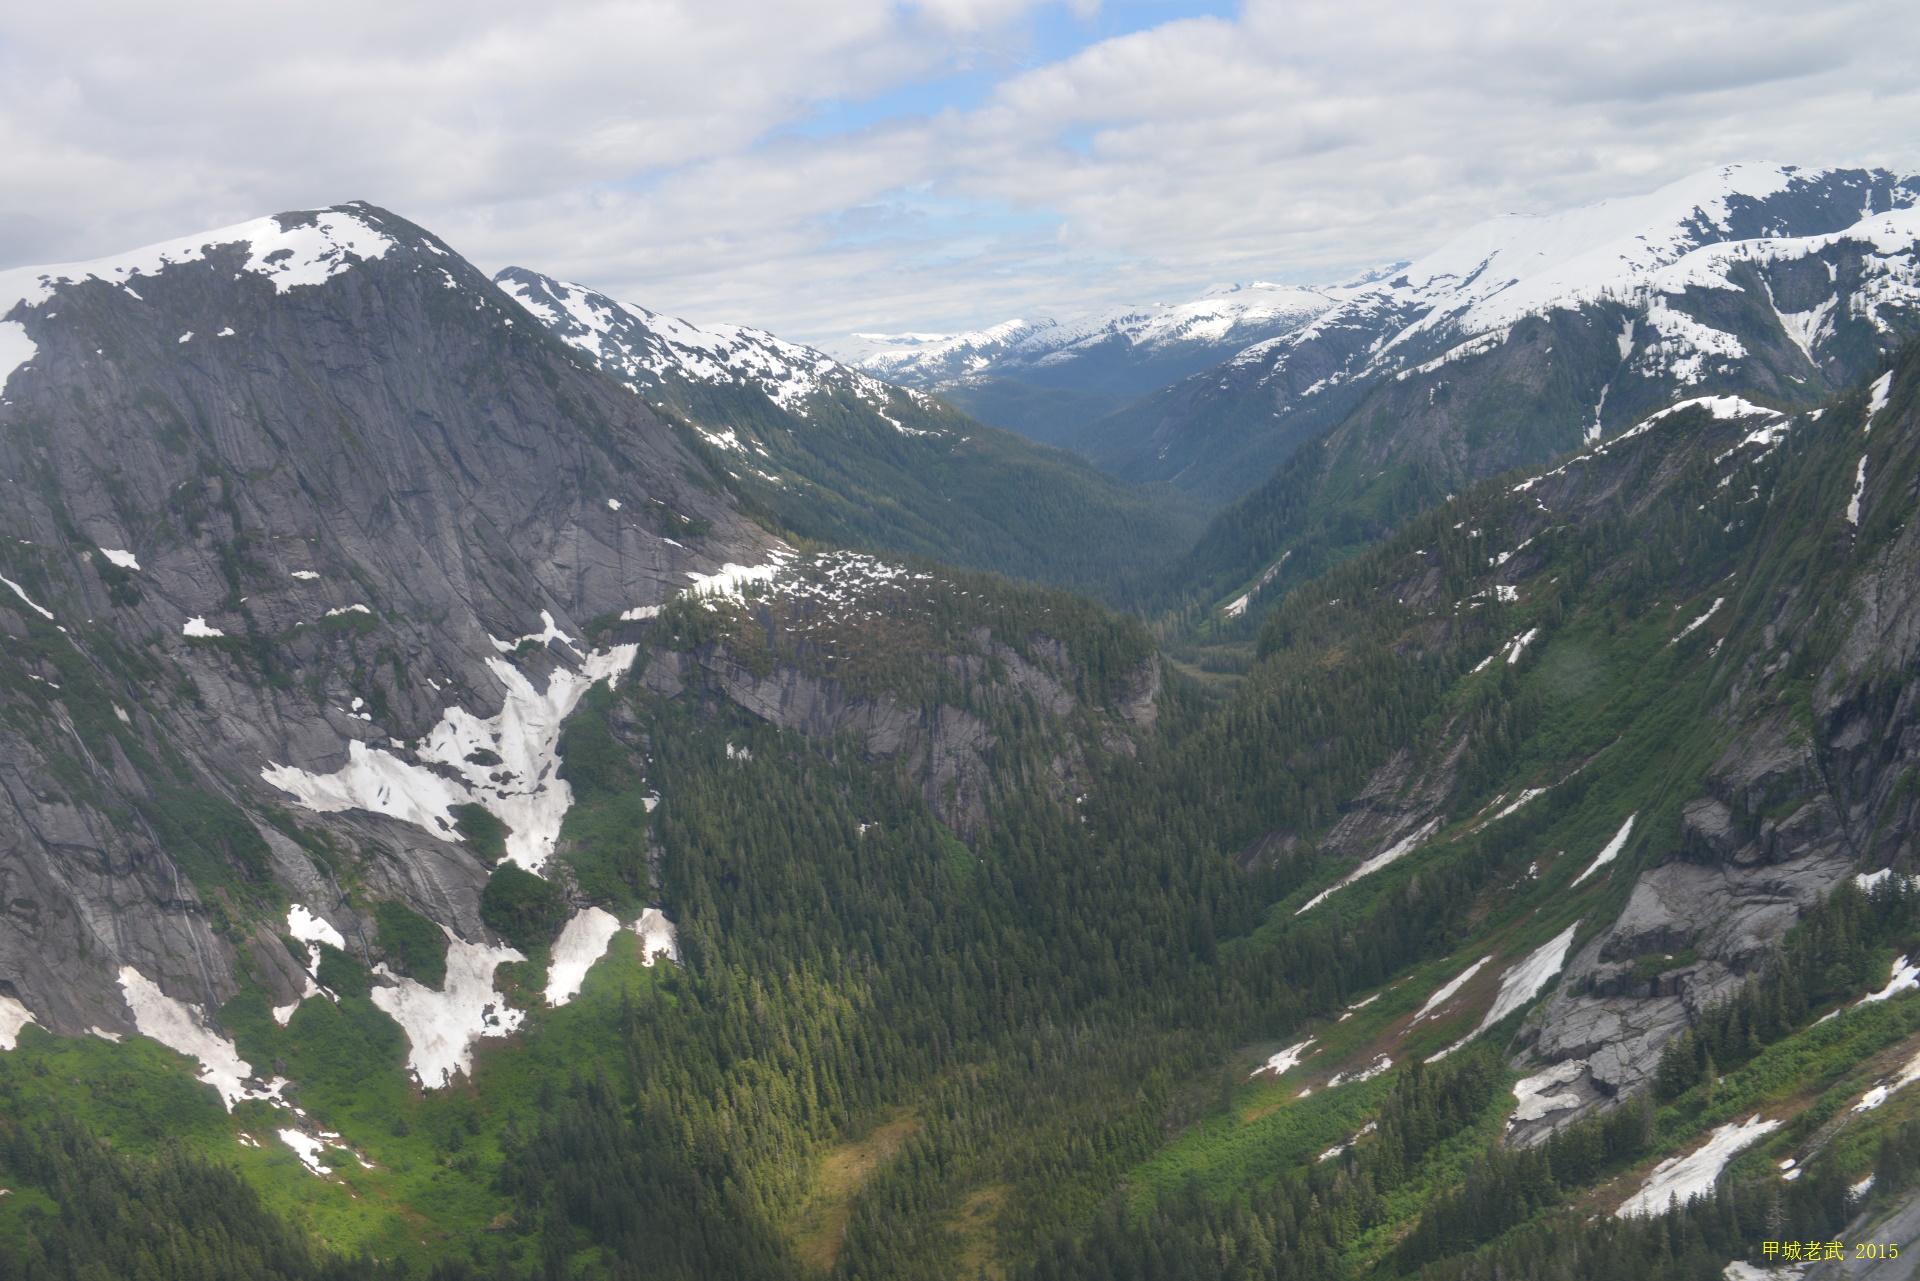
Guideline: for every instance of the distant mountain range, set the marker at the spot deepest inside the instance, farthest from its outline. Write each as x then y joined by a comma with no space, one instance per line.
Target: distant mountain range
1761,280
831,452
1518,341
1044,377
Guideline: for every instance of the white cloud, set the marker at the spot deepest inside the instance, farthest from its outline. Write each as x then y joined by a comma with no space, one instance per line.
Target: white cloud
674,153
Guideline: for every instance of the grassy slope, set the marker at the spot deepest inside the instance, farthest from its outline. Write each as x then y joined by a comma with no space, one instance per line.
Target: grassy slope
433,1153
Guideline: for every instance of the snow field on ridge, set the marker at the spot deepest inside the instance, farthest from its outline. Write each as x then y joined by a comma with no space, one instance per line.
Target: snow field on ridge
314,253
631,340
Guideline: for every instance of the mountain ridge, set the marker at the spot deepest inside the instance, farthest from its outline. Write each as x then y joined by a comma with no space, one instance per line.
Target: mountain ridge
837,455
1453,370
1649,258
441,787
1044,377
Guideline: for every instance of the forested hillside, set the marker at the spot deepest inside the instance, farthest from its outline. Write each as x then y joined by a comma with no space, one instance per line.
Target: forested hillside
704,903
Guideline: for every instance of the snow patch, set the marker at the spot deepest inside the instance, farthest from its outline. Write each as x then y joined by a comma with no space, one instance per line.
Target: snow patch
1520,984
1446,992
304,575
21,592
1525,796
520,791
1523,982
13,1017
1905,978
283,1014
1286,1060
1379,1067
582,943
442,1026
730,578
307,1148
182,1027
548,633
1610,851
1867,880
1536,1093
310,929
1235,608
658,935
1398,850
16,349
1882,391
1339,1148
1808,328
640,613
1859,488
1886,1089
1356,1007
197,626
1680,1179
124,559
1699,622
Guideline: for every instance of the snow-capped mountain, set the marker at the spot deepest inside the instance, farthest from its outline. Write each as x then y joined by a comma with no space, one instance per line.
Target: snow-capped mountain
645,349
1763,280
934,360
1090,365
839,455
259,456
1222,316
1645,253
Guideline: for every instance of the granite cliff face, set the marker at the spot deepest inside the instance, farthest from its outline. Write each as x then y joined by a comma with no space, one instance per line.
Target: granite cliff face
279,497
1678,715
972,713
1804,794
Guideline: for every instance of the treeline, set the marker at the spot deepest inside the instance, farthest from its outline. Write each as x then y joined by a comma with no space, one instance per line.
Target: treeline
900,635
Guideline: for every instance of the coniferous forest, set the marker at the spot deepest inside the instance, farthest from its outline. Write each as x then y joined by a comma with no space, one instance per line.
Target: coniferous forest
1020,934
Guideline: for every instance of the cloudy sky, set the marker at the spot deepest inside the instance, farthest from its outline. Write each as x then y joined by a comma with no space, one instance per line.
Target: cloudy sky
825,166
